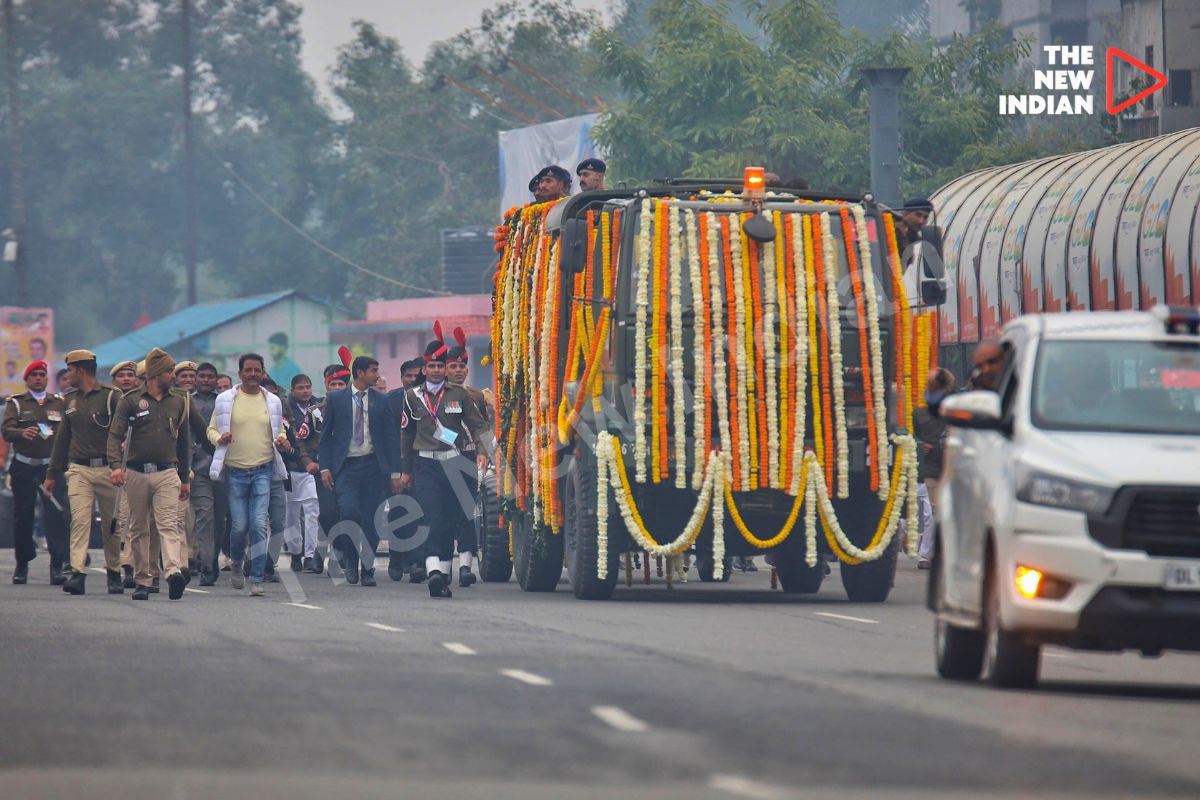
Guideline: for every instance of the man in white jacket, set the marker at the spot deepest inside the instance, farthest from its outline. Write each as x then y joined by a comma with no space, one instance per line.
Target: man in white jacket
246,427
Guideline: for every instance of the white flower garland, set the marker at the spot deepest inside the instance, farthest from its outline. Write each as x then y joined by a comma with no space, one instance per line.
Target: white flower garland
716,281
876,349
606,451
718,519
770,313
601,513
675,287
644,256
799,416
811,467
838,373
908,453
743,356
700,375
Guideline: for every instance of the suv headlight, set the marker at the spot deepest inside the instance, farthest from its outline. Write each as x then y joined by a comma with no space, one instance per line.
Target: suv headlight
1046,489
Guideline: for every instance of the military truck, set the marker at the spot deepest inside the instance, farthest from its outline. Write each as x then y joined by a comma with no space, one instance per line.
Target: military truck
620,414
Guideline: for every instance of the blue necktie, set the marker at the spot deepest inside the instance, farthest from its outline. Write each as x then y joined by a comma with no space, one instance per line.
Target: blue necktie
359,428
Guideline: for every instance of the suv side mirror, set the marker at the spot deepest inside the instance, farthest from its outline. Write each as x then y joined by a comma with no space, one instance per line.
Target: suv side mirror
978,409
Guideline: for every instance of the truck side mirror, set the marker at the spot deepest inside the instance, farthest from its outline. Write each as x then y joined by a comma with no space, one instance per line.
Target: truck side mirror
574,246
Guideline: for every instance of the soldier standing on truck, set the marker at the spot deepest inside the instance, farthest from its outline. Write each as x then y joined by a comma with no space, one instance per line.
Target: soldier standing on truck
554,183
591,175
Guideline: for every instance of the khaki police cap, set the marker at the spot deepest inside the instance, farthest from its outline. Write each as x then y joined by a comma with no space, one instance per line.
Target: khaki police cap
182,365
129,365
141,368
76,356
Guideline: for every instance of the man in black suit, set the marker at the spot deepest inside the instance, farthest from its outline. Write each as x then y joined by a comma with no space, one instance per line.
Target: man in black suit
359,456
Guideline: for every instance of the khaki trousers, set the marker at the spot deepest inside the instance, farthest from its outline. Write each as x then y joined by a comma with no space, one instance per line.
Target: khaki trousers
187,524
154,496
85,486
127,548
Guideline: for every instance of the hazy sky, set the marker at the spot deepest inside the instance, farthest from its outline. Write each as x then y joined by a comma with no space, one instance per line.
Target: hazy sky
415,23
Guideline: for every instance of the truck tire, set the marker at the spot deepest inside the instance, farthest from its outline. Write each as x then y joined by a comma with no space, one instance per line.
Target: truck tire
795,575
1009,662
706,564
958,651
871,581
495,562
538,560
582,533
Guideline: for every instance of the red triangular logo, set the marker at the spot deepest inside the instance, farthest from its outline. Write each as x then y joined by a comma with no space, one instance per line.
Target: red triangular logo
1160,80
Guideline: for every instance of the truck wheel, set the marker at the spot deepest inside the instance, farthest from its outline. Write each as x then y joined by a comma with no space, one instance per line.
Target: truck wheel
706,564
495,563
1009,662
959,651
871,581
581,532
538,560
795,575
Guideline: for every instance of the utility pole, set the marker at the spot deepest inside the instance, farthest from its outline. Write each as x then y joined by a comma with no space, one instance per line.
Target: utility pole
16,161
189,188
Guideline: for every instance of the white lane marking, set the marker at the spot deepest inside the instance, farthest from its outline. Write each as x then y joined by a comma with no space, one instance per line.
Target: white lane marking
305,605
459,648
620,719
379,626
847,618
196,591
526,677
97,569
1049,654
745,787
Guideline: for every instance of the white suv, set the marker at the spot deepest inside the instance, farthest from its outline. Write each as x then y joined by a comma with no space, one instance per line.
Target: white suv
1070,500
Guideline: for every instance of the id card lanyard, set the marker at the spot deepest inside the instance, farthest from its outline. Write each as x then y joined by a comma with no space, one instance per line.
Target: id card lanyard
443,433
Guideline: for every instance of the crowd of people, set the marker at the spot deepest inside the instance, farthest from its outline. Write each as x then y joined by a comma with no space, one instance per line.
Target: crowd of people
191,473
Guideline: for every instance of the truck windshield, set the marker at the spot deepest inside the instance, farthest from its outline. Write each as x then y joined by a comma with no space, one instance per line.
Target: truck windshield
1119,387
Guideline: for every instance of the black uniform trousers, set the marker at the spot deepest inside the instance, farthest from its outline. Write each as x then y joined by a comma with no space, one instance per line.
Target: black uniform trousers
443,510
25,482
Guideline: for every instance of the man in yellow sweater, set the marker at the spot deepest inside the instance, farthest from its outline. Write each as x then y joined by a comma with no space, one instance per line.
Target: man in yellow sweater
246,427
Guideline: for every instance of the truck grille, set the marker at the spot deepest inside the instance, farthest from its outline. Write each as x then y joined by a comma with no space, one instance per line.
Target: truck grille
1164,522
1160,521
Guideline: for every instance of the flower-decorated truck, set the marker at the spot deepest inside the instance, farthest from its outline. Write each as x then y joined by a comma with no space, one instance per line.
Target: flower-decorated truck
687,370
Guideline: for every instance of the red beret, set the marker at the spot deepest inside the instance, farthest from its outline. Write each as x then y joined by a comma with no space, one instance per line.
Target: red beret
42,365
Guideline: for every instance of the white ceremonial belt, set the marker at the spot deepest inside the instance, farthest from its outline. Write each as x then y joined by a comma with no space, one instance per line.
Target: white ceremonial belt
438,455
33,462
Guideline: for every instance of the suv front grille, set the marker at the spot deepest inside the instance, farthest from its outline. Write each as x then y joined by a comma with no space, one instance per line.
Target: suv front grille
1161,521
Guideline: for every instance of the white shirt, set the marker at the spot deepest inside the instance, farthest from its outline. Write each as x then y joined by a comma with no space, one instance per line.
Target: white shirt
366,448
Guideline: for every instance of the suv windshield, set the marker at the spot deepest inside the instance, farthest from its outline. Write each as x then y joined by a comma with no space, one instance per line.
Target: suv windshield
1114,386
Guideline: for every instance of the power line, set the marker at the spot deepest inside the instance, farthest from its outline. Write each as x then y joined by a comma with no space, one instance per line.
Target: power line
308,238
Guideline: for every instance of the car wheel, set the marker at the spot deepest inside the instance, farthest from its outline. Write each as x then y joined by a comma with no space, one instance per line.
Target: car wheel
1009,661
959,651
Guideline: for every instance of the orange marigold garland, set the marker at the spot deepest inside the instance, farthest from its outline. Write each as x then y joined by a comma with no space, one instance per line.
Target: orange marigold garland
863,332
827,453
734,334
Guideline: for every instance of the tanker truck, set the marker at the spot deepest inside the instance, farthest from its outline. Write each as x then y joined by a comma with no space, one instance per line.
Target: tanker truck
704,369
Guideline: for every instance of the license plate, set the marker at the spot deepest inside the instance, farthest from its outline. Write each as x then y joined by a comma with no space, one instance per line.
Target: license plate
1183,577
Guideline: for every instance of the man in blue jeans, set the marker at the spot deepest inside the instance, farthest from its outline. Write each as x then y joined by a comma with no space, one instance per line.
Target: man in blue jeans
359,456
246,427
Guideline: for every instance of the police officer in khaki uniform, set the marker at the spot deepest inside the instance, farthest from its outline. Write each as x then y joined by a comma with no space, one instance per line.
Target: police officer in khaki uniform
159,463
438,419
30,422
127,376
81,453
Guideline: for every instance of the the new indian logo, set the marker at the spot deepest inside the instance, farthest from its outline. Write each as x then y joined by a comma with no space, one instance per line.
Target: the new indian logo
1068,84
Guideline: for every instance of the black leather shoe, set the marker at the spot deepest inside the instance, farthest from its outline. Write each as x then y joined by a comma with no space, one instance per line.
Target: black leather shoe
308,565
154,586
21,573
128,582
175,585
318,565
465,577
75,583
417,575
395,569
438,585
297,563
368,577
208,579
58,576
114,582
350,567
141,593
